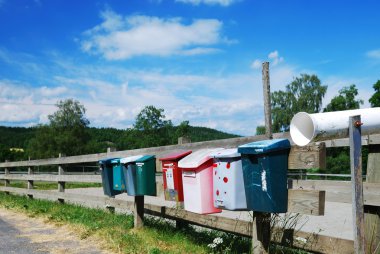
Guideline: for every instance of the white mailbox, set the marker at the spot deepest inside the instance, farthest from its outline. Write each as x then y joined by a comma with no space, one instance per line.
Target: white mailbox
229,192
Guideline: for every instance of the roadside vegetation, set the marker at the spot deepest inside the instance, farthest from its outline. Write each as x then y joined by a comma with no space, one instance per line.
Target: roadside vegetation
115,231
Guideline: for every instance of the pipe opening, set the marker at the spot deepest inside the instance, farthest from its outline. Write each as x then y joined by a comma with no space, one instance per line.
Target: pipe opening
302,129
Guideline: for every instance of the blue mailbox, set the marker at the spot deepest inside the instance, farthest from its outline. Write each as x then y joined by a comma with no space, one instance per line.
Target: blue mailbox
265,166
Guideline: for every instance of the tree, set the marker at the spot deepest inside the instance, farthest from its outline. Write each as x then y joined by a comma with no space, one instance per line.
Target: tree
260,130
345,100
338,159
66,132
151,128
304,93
375,99
150,118
183,129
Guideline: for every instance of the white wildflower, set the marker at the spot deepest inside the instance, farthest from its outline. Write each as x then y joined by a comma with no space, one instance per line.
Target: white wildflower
212,245
301,239
218,240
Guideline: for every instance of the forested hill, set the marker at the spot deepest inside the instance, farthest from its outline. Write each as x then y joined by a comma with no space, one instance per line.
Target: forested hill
99,139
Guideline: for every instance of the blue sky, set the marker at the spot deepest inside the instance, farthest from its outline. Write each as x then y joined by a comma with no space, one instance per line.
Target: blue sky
199,60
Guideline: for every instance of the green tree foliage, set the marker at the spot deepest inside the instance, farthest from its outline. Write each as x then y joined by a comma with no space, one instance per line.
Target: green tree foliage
183,129
338,159
151,129
260,130
66,133
345,100
304,93
375,98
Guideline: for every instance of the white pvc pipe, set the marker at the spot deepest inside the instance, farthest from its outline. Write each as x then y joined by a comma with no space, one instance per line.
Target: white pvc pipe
305,127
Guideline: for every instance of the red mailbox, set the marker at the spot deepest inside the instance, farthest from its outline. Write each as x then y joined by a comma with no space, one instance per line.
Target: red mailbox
173,187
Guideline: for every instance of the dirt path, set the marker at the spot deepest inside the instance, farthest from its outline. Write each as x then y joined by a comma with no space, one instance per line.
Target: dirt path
25,235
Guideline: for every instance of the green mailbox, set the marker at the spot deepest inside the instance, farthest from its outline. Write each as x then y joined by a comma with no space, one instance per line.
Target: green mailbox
146,175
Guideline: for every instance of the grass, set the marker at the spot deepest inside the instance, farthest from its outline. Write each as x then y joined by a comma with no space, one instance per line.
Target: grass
115,231
50,185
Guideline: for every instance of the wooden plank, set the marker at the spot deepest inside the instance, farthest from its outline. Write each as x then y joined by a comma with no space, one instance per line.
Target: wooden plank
340,191
372,216
307,202
158,151
55,178
306,157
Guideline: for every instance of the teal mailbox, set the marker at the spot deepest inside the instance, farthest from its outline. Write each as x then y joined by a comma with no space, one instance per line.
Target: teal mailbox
107,177
119,180
265,166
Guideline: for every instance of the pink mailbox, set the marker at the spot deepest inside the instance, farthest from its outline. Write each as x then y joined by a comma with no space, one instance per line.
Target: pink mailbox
229,191
197,181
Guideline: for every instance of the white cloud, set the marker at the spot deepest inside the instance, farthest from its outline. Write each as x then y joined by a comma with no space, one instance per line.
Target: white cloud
256,64
119,37
209,2
374,54
275,58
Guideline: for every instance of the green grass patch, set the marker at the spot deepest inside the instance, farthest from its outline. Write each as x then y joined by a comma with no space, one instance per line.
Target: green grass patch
50,185
116,232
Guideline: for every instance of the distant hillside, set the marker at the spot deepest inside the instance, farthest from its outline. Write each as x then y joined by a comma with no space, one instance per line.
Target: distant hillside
100,139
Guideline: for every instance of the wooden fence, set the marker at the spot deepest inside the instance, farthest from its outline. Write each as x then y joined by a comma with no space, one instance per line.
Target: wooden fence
304,196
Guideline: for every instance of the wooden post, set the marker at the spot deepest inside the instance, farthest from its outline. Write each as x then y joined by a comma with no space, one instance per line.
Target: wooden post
61,185
30,182
260,233
183,140
261,221
267,103
372,213
139,212
6,172
111,208
357,183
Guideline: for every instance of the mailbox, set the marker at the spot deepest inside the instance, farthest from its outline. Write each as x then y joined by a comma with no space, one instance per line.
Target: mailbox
229,192
265,166
172,176
146,175
197,169
107,177
129,172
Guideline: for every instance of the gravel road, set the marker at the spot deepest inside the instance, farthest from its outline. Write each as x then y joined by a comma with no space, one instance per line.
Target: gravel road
24,235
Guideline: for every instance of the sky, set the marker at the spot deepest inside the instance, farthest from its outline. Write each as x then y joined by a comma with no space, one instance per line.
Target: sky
199,60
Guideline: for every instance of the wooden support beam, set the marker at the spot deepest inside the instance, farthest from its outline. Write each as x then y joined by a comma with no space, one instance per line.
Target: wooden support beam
6,172
357,183
306,157
139,212
61,185
372,213
30,182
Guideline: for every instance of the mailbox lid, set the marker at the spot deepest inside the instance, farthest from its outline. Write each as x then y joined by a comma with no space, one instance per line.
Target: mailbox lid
175,156
146,158
226,153
195,159
264,146
130,159
107,161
